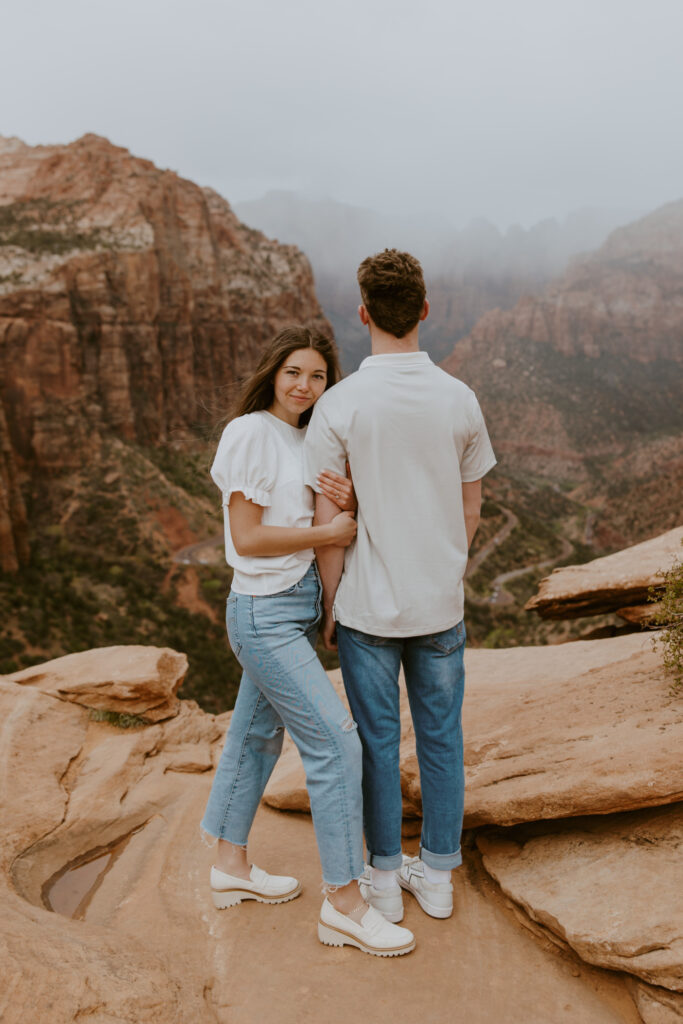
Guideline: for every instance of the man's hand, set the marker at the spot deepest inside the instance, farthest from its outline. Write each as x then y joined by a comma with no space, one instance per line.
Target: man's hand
329,632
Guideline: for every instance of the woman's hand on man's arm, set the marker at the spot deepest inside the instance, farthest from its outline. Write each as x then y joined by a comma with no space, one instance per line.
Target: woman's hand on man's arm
338,489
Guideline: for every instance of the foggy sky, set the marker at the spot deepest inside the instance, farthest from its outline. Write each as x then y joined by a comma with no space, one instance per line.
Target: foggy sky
511,109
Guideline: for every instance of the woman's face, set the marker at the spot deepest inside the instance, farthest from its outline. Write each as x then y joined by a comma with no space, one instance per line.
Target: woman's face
298,384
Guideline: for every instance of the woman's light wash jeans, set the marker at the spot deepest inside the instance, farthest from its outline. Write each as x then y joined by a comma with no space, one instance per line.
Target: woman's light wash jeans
435,681
284,685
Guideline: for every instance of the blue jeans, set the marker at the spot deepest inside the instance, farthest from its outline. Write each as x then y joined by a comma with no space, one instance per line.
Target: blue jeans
284,685
435,680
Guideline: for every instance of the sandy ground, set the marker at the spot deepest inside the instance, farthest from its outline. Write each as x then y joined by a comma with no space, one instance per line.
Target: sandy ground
480,967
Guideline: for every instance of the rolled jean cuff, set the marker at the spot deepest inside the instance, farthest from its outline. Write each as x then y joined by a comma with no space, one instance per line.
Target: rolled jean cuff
441,861
389,863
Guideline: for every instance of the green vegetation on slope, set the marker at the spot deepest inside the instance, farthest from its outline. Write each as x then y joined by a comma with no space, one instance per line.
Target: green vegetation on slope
670,617
102,572
47,226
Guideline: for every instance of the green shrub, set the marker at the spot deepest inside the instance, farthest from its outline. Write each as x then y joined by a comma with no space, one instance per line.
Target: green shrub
670,617
121,719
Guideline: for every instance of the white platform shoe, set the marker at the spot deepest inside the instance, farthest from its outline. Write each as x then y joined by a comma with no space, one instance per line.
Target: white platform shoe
373,934
229,890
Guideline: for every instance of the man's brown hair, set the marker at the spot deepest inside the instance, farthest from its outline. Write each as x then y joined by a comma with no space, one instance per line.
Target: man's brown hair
393,291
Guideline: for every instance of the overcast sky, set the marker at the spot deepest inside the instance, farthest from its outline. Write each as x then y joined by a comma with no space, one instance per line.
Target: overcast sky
511,109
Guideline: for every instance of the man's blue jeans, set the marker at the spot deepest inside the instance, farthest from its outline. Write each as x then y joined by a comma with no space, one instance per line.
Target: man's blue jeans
284,684
435,680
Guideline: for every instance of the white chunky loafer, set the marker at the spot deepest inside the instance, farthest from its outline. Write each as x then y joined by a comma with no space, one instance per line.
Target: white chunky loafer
435,900
229,890
374,934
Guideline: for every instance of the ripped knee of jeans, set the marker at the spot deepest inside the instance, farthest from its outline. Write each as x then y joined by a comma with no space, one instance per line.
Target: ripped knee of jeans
348,725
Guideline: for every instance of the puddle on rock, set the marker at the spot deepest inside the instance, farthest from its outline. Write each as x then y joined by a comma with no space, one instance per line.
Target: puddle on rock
70,890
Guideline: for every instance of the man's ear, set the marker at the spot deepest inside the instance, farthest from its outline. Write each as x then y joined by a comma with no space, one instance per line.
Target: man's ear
425,312
363,314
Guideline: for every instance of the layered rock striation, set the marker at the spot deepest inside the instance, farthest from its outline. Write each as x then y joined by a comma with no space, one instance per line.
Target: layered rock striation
130,300
128,680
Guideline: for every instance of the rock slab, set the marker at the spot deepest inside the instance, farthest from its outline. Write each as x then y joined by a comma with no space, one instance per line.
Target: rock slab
588,727
606,584
131,679
611,888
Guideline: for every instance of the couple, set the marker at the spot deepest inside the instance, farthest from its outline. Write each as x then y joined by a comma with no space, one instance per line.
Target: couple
391,591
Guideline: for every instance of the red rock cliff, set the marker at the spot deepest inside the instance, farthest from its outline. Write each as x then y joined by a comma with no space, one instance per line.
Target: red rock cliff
592,363
129,299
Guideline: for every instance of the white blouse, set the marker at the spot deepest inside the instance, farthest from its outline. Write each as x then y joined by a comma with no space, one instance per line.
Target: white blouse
262,456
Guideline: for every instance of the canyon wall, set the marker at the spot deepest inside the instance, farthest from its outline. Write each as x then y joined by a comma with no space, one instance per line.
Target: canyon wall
130,300
592,364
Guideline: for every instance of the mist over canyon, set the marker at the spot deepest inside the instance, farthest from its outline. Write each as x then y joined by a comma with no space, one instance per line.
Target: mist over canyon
468,270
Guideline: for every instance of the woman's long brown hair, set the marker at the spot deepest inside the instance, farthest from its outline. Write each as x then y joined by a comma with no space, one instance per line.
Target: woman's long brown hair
258,391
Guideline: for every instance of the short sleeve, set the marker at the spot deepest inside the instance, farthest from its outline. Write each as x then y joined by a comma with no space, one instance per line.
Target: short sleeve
323,448
246,461
478,457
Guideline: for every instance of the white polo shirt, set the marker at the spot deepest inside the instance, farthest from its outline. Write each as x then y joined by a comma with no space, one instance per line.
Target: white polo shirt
413,435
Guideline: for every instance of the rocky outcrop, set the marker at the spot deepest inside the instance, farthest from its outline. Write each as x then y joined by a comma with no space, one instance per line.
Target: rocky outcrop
593,363
130,299
102,823
657,1005
130,680
616,582
624,300
618,747
89,785
609,887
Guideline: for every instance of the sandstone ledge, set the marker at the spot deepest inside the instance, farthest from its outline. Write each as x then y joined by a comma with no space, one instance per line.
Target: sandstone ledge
149,947
588,727
609,887
606,584
132,679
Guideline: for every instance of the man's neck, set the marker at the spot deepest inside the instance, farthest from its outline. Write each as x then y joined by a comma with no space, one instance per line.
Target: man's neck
384,344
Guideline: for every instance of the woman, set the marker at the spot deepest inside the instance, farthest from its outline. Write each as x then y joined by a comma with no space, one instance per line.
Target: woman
273,613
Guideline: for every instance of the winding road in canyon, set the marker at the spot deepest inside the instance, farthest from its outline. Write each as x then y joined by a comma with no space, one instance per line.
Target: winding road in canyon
500,596
206,552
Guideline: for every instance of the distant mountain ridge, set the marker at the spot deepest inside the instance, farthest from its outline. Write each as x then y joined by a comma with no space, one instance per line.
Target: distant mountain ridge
584,382
469,271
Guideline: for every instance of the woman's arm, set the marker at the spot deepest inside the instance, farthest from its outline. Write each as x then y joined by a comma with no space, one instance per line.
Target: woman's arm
251,537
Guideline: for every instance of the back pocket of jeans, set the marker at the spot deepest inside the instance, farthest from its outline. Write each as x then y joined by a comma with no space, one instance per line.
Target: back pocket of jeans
449,640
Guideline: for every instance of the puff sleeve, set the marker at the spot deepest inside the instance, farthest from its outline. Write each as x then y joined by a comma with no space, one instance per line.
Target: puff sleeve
246,461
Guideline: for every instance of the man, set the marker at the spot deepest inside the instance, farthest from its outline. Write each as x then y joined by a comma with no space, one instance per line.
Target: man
417,445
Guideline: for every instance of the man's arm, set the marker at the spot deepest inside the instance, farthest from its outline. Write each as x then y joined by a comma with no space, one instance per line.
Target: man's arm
330,561
471,503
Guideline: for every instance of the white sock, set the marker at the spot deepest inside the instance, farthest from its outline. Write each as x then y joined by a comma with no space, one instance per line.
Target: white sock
383,879
435,877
